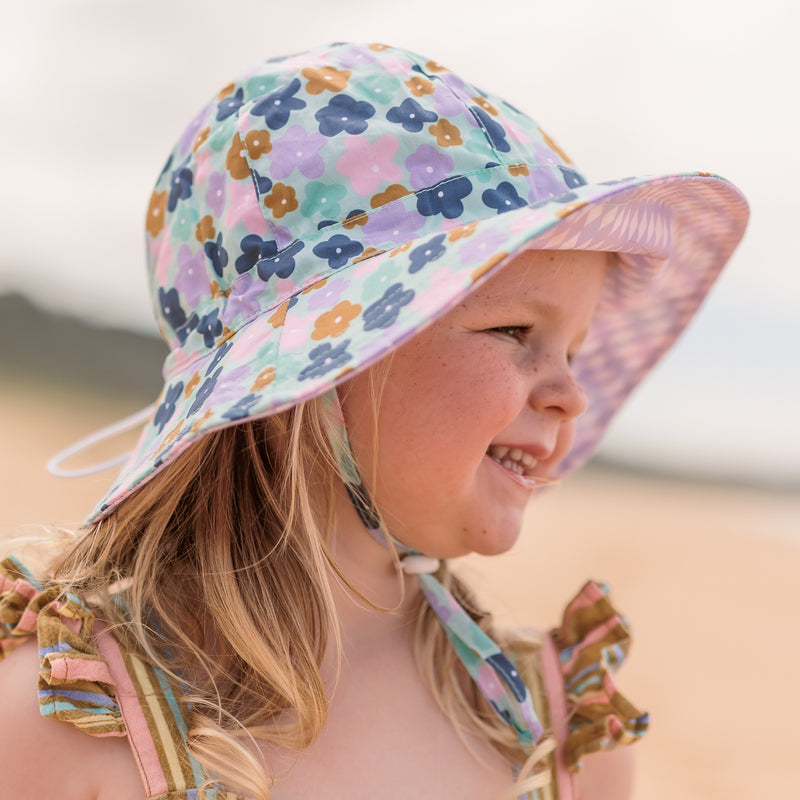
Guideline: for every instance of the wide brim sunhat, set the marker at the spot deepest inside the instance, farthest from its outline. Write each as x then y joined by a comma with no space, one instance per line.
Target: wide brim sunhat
324,208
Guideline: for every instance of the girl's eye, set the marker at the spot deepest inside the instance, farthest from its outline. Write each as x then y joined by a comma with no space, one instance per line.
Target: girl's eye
518,332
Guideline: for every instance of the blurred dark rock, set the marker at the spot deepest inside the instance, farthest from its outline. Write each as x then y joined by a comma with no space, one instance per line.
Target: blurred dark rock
42,346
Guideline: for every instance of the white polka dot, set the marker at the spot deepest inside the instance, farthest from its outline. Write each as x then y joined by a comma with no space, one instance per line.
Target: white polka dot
411,116
283,202
277,102
299,153
324,200
374,168
338,250
428,169
440,194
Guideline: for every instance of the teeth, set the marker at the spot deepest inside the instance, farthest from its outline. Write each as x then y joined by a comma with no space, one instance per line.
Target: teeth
513,458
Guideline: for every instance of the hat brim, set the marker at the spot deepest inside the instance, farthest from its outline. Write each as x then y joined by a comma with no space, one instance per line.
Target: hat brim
673,234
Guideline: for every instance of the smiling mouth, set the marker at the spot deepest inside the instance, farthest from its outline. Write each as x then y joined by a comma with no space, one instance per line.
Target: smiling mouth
513,459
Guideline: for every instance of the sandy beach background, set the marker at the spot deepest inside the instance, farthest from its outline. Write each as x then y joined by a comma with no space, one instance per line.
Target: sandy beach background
706,573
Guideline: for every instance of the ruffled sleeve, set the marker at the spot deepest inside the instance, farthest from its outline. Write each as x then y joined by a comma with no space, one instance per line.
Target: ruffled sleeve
592,642
75,684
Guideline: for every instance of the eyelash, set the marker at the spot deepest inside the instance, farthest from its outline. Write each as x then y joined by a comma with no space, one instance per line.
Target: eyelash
518,332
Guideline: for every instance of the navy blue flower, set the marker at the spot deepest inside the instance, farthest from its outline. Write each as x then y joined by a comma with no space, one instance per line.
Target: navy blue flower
572,178
324,358
219,354
167,166
217,254
202,394
509,674
344,113
180,187
254,248
262,183
325,223
229,105
494,130
444,198
282,264
210,326
242,407
385,310
338,250
503,198
411,115
167,408
278,105
425,253
175,315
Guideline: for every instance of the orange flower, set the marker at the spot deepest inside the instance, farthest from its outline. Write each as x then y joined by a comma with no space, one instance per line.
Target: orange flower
281,200
400,249
377,47
279,317
553,146
447,134
358,219
336,321
487,265
388,195
419,86
225,91
205,229
334,80
257,143
462,231
200,138
190,387
196,427
486,105
518,169
264,378
435,66
155,213
368,253
235,161
217,292
170,437
313,286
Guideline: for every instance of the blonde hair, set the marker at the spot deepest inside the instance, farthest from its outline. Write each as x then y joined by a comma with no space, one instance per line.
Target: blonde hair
222,560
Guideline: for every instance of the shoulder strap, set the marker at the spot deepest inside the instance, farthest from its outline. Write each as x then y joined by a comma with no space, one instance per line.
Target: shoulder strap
154,721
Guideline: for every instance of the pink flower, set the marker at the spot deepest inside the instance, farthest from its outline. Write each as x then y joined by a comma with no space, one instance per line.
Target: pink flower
243,205
367,165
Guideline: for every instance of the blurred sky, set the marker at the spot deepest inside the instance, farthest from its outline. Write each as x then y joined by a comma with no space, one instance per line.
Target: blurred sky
94,92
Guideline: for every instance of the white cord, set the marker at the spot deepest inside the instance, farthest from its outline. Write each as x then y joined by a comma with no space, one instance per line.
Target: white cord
134,420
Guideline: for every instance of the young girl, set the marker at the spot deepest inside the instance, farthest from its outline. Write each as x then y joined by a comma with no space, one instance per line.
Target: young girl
395,311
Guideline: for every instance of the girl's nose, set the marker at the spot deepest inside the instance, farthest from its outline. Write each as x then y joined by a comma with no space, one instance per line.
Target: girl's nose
558,391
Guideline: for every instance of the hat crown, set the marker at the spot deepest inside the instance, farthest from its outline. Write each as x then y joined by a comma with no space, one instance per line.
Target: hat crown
308,163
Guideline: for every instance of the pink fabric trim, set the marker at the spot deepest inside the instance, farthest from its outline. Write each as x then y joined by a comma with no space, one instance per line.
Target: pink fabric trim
557,700
139,736
67,669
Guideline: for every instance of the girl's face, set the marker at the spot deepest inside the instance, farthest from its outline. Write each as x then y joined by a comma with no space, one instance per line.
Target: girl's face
476,406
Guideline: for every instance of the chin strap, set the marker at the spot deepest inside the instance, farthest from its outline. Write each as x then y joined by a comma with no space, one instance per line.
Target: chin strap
493,672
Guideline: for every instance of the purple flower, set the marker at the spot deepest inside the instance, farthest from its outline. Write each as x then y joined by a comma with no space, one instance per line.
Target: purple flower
191,280
215,195
243,298
229,385
428,165
276,107
503,198
391,223
411,115
344,113
444,198
297,149
327,296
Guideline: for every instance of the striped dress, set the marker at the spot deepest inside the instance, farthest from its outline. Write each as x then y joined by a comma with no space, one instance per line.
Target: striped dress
88,680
